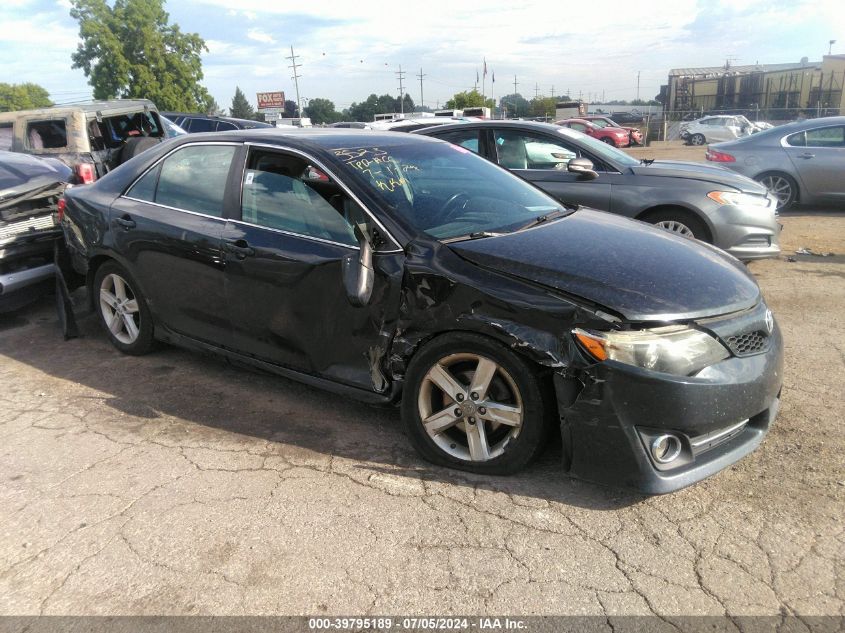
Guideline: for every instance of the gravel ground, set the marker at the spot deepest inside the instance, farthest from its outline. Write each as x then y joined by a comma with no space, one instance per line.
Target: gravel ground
175,484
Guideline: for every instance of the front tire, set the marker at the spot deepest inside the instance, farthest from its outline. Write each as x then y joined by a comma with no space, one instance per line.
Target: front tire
679,221
123,310
697,139
472,404
609,141
782,187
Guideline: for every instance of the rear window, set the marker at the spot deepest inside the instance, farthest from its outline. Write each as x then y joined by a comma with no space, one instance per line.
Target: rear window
201,125
46,134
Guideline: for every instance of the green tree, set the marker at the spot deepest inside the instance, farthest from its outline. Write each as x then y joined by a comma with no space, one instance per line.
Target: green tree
241,108
291,110
322,111
130,50
543,106
516,105
469,99
210,106
23,97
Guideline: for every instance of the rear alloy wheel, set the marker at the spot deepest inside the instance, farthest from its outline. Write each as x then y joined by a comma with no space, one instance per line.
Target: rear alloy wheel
782,187
697,139
472,404
123,311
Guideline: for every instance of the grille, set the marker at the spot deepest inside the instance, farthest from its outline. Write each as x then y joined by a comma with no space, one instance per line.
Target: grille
748,343
38,223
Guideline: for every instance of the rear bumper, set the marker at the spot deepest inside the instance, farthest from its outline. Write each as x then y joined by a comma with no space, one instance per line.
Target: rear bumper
24,264
608,428
18,280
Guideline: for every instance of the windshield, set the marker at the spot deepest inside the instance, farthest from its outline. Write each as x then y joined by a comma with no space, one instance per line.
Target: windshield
602,150
446,190
600,122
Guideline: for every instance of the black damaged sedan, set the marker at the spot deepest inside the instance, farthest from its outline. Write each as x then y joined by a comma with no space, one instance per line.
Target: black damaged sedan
402,269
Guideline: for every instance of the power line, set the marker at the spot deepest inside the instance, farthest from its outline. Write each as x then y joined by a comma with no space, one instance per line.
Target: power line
295,78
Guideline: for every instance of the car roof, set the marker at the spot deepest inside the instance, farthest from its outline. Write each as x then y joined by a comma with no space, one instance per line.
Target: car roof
92,107
324,138
499,123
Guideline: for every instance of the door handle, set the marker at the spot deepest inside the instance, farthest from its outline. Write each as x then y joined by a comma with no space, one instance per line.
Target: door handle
806,155
126,222
240,248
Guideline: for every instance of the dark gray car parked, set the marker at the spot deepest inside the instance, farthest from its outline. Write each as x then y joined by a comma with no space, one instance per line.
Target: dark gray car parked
696,200
802,161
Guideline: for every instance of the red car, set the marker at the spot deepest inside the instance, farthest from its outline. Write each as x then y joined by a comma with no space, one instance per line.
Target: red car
616,136
635,136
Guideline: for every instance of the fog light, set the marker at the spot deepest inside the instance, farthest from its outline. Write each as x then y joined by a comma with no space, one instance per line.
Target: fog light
665,448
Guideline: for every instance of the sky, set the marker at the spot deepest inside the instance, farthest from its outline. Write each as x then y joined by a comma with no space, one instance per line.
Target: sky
348,50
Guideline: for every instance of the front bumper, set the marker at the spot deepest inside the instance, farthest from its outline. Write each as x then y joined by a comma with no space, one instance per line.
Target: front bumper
604,429
746,232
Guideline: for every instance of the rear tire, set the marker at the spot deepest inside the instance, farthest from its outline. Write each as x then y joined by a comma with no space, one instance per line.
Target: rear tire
123,310
781,186
490,398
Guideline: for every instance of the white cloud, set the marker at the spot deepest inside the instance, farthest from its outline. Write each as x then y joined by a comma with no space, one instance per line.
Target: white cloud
260,36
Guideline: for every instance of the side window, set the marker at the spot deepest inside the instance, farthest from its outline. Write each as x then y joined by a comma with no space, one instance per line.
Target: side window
826,137
46,134
224,126
202,125
516,150
798,139
464,138
194,178
287,193
6,136
578,126
145,188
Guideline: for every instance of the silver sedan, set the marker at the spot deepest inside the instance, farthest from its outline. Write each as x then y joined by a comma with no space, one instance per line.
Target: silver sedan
802,161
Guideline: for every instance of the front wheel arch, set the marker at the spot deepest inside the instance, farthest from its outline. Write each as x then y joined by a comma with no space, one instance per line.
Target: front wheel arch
649,215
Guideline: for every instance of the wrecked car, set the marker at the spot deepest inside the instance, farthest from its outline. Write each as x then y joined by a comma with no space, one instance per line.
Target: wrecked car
30,188
400,269
91,138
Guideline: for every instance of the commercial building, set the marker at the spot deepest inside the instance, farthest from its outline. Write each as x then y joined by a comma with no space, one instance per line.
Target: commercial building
814,87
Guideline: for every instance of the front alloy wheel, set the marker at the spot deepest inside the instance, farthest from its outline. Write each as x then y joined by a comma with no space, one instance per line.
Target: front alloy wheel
676,226
470,407
471,403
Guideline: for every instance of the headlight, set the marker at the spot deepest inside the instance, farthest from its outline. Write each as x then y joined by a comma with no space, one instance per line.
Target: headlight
675,349
738,199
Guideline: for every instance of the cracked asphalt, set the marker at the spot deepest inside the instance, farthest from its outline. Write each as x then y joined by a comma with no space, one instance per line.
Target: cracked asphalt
175,484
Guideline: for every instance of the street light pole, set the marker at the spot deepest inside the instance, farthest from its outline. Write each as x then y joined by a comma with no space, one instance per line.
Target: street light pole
830,46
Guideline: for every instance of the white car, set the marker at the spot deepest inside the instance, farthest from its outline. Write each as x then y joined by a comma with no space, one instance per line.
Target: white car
711,129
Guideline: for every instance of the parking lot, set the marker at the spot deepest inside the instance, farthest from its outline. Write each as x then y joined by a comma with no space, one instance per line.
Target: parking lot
176,484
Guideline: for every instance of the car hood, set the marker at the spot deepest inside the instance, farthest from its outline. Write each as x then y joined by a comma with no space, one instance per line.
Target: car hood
700,171
629,267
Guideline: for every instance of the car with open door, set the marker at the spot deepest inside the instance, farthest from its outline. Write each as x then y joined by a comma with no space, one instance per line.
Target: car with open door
399,269
692,199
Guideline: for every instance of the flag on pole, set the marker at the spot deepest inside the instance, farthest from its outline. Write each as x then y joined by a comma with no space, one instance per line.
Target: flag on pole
485,66
493,73
476,75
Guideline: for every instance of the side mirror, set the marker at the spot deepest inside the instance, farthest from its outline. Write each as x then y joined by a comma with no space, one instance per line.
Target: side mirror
357,270
583,167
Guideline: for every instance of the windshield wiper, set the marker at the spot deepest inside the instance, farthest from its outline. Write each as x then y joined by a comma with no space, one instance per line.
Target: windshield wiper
546,217
646,161
472,236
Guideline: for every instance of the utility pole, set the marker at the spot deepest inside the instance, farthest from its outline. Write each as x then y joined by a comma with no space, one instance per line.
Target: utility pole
552,92
422,102
401,76
514,84
295,78
638,85
536,90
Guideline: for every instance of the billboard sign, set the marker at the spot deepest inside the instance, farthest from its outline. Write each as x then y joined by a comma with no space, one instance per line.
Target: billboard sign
270,100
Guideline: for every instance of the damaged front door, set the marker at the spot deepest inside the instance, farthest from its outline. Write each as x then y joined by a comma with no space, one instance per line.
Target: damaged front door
284,278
